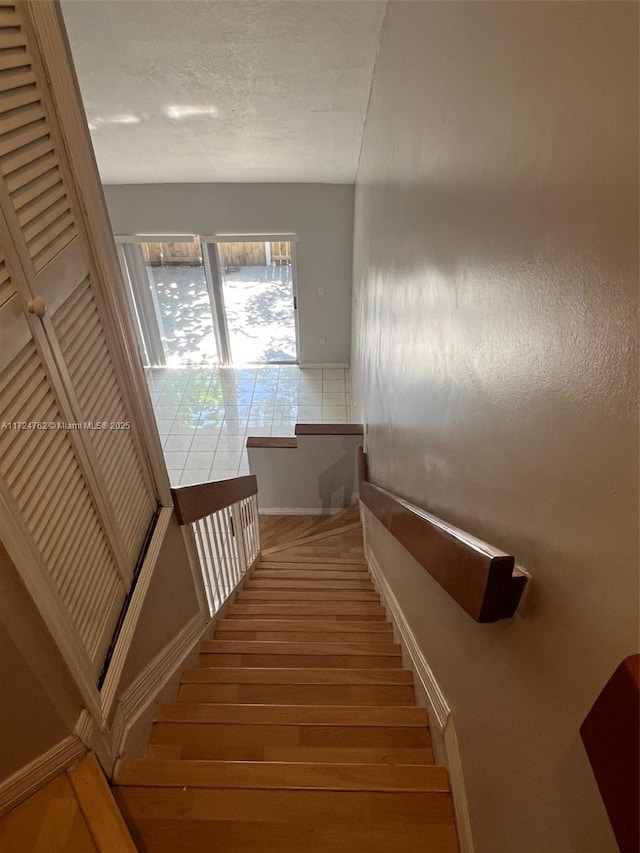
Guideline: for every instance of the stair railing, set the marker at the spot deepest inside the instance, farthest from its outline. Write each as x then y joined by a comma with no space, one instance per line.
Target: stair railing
483,580
223,516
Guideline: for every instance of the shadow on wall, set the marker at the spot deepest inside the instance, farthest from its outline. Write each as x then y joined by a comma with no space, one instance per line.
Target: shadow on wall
335,483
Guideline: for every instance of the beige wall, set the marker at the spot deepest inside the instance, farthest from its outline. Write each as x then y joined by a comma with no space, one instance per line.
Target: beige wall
496,273
29,722
39,704
320,214
169,605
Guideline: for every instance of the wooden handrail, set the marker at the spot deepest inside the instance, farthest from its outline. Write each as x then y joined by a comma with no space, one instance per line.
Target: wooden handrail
483,580
329,429
195,502
611,737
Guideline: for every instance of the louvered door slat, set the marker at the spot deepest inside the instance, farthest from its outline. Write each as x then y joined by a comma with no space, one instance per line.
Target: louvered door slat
10,37
81,338
11,141
50,238
22,116
45,522
15,160
41,475
43,204
16,58
7,288
14,78
91,374
21,183
34,190
18,96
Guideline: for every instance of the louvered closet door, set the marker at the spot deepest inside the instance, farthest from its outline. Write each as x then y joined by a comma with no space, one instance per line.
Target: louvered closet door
81,499
43,484
38,197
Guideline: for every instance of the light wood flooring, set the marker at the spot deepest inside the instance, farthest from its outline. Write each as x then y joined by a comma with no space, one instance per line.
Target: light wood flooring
74,813
298,730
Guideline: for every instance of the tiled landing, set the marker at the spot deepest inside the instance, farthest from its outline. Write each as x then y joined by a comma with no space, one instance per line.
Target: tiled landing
204,415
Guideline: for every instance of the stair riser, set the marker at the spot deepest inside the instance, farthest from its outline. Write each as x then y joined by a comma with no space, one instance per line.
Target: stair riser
312,566
302,636
310,821
296,694
309,574
296,661
382,629
326,755
305,596
258,582
331,612
247,675
279,776
226,742
306,647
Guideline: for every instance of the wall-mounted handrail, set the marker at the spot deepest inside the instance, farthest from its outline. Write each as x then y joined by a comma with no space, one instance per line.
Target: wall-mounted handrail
483,580
201,499
223,517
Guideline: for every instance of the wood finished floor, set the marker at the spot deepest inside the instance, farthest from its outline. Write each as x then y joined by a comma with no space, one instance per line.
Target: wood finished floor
74,813
298,730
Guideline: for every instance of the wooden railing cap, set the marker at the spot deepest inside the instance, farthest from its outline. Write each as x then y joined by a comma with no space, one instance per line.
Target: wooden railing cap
195,502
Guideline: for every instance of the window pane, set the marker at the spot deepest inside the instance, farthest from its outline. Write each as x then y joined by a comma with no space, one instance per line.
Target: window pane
179,291
257,282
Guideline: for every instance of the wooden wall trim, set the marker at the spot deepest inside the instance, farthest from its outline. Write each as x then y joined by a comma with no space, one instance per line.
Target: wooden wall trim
329,429
611,736
483,580
195,502
286,443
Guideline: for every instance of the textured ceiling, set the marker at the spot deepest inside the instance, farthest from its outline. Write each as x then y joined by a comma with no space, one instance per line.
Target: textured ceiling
231,90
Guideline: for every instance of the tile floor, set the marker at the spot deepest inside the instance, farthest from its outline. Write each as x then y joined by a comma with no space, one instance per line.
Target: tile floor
204,415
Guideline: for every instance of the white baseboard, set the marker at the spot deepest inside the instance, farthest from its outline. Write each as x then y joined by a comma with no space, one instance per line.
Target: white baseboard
142,692
38,772
438,704
311,365
288,510
440,715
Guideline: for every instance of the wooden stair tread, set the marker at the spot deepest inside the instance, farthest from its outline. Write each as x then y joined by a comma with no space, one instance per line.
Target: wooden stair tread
266,741
310,584
256,675
330,611
301,636
299,694
299,661
168,820
279,529
310,573
246,647
351,755
298,730
311,626
291,715
413,778
314,538
288,561
310,596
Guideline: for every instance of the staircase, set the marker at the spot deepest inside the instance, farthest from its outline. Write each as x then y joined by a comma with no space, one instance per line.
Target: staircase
298,731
